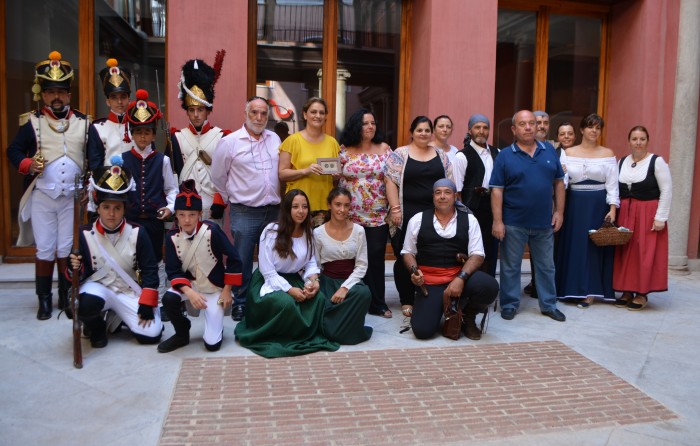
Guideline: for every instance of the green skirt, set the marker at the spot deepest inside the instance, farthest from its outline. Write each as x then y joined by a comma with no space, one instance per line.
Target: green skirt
345,322
276,325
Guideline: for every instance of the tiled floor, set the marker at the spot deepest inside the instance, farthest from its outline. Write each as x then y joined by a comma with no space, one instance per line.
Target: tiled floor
446,395
123,394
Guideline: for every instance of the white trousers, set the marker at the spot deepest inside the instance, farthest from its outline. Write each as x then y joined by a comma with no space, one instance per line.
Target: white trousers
126,306
52,225
213,317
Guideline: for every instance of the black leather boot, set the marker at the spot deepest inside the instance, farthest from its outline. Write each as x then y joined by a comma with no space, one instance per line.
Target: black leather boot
64,287
43,292
98,330
172,305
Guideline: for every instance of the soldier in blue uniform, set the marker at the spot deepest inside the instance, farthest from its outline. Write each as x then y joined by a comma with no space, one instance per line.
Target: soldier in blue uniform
153,199
198,273
113,131
50,150
120,272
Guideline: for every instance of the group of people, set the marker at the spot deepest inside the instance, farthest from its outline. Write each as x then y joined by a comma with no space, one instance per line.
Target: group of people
321,242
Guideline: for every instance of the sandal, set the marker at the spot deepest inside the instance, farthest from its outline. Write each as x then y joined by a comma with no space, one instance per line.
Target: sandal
407,310
585,303
636,306
383,312
624,300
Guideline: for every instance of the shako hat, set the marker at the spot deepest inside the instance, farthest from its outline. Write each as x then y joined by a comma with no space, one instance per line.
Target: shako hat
52,73
142,112
188,199
115,79
111,182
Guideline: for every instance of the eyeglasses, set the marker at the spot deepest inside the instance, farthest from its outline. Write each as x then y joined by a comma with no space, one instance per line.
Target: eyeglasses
261,163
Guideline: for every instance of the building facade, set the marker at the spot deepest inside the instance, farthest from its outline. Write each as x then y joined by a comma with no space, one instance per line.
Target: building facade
632,61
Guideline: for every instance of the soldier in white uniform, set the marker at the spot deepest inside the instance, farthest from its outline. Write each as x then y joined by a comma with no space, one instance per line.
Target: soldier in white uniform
121,271
114,137
194,261
50,150
193,146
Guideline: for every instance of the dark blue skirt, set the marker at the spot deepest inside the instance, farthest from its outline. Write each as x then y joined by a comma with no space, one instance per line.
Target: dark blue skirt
582,268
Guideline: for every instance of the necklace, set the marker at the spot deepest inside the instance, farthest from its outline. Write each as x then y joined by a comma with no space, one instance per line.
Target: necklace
634,163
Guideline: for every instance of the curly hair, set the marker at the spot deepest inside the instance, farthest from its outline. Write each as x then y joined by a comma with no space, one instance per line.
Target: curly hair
286,225
352,134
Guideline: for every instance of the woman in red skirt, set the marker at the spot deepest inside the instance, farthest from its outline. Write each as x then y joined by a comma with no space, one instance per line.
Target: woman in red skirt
641,266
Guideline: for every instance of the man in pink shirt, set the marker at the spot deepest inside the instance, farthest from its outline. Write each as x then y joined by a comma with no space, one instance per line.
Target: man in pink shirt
244,172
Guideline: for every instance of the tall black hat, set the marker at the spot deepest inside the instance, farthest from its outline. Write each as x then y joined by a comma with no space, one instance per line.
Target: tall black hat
115,79
111,182
197,81
142,112
52,73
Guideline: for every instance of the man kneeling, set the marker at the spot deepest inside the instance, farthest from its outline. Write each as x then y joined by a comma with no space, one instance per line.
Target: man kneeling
116,252
194,262
431,248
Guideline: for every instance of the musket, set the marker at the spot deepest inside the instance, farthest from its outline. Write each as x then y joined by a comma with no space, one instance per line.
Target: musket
75,278
166,128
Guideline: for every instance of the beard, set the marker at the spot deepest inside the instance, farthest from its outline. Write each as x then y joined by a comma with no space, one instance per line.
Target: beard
254,127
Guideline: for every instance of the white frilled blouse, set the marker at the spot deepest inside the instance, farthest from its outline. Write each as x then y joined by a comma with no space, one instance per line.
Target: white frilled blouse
271,265
329,249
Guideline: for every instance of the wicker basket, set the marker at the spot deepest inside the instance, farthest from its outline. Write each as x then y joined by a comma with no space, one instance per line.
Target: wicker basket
610,235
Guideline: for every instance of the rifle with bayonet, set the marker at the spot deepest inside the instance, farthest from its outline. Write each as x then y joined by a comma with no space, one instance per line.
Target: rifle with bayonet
165,125
75,278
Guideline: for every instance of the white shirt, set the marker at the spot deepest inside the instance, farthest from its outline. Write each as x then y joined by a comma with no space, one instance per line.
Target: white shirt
476,245
630,175
329,249
271,264
244,170
461,163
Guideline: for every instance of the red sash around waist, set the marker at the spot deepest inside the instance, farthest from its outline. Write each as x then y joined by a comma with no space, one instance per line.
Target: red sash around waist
439,276
339,269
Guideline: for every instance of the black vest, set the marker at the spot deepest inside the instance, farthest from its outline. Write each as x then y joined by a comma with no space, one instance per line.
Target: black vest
474,176
437,251
645,190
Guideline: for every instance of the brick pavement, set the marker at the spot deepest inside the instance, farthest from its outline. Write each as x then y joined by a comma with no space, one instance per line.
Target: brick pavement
448,395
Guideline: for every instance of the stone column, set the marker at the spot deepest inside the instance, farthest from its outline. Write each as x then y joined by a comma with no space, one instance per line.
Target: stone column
341,85
684,132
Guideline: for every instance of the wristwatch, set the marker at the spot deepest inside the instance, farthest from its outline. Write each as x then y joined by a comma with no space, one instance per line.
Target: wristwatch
463,275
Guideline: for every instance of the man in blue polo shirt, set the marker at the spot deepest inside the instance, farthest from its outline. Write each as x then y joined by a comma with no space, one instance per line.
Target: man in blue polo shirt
525,174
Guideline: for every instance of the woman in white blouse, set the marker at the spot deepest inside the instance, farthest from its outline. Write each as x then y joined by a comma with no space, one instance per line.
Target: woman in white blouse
584,270
341,251
641,266
284,313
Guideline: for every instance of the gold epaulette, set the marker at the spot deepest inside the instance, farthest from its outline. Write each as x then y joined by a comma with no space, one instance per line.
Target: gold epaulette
24,117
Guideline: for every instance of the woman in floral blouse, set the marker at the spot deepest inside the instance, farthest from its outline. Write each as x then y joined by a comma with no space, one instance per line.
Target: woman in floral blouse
362,156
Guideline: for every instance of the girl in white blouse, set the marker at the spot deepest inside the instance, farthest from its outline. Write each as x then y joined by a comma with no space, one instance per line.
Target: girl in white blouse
341,251
584,270
284,313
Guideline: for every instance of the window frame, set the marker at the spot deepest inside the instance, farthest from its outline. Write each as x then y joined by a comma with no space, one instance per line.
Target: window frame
543,9
330,62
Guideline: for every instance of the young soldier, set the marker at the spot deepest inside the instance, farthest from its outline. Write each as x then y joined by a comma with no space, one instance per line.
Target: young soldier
50,150
193,146
114,137
197,271
153,199
121,272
